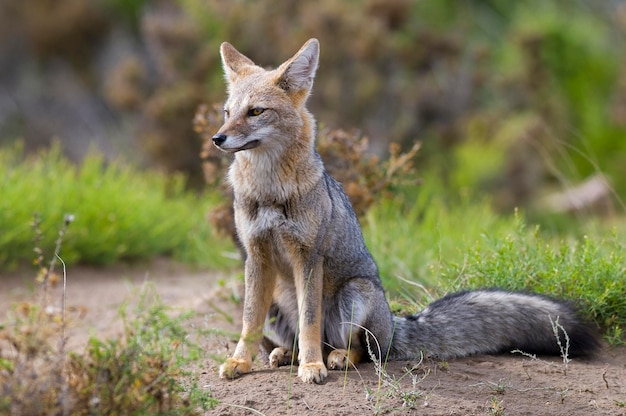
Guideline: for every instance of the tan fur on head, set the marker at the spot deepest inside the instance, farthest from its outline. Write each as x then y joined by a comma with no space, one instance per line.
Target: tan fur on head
295,76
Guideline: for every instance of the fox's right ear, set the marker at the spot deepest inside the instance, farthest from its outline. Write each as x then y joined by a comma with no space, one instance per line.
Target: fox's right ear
233,61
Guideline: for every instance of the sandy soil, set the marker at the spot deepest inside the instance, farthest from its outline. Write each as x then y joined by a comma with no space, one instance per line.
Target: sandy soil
480,385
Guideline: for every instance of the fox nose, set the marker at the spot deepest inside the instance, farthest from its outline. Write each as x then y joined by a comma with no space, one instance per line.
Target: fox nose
219,139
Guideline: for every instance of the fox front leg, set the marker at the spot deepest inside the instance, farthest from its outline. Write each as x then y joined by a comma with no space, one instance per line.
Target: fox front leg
240,363
309,294
259,285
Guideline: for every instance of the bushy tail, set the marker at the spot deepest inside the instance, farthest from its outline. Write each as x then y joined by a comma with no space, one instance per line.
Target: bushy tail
492,321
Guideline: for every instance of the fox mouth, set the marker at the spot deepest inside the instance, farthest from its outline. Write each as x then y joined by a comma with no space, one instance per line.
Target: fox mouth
250,145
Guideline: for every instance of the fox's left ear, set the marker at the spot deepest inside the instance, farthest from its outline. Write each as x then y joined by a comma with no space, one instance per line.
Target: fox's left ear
297,73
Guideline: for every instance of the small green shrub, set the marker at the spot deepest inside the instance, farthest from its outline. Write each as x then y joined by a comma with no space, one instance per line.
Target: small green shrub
589,270
141,373
121,213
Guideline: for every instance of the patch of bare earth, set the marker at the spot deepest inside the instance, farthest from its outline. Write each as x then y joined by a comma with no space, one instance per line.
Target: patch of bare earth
482,385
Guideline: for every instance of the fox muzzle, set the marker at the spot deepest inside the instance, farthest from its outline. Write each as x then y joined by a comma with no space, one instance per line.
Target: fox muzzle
219,139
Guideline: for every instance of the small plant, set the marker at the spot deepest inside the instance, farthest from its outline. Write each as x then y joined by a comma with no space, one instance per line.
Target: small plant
500,387
389,386
563,393
35,334
140,373
564,350
496,407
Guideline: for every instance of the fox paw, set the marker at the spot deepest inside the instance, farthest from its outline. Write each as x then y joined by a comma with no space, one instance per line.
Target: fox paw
234,367
280,356
312,372
337,360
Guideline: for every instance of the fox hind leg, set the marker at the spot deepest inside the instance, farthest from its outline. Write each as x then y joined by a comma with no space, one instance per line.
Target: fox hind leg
280,333
340,359
281,356
358,324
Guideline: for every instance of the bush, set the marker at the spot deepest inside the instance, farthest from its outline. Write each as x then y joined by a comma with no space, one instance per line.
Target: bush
139,373
120,212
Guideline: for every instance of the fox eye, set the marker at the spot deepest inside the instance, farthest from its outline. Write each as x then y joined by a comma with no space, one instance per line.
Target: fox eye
253,112
226,113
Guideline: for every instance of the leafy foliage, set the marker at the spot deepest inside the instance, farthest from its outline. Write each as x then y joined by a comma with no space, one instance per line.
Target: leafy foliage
142,372
120,213
443,72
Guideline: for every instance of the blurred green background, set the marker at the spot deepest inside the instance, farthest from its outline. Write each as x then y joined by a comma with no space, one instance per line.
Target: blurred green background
515,98
521,104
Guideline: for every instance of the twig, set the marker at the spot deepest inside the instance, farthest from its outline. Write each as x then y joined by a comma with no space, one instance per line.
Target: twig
63,298
57,249
67,220
65,388
237,406
564,350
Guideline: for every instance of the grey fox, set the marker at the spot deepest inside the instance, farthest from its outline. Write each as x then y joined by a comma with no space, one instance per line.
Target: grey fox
311,285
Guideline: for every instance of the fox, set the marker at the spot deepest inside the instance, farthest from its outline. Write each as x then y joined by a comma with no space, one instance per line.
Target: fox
312,291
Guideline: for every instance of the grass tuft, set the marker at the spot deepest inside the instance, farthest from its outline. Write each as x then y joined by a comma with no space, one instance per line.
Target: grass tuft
120,212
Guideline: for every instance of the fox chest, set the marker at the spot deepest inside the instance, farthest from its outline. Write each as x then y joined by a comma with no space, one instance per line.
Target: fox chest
273,227
256,220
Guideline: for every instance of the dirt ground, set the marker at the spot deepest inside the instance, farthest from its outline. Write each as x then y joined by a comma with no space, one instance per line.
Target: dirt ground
483,385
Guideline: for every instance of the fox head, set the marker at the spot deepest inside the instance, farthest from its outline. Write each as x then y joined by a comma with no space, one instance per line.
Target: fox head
265,111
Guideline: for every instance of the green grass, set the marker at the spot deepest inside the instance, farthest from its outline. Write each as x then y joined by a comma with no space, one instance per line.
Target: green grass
458,244
121,213
413,236
589,271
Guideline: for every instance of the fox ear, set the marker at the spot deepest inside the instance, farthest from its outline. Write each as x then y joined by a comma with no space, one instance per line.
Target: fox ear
233,61
297,73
